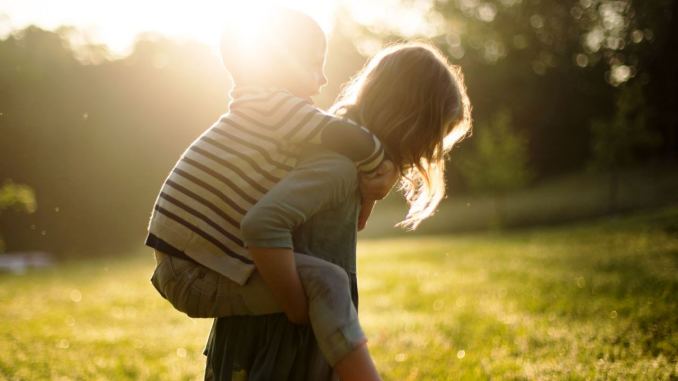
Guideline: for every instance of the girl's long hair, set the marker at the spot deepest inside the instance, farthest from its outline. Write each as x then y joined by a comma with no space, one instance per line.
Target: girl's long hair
415,101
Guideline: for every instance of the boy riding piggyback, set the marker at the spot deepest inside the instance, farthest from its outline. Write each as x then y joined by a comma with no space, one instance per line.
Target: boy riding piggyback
206,266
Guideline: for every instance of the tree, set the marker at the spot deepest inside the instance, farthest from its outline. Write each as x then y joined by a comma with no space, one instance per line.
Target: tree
616,142
498,163
96,139
16,196
556,63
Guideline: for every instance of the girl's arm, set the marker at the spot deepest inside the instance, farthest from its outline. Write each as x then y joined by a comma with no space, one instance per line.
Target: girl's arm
324,181
291,119
279,272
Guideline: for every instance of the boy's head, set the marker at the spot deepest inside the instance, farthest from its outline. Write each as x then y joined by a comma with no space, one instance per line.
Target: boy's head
282,48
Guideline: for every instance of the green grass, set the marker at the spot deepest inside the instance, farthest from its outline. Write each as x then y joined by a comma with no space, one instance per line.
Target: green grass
97,320
584,302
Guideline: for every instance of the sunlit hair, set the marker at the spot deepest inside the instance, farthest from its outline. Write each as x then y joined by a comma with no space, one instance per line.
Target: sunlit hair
272,48
415,101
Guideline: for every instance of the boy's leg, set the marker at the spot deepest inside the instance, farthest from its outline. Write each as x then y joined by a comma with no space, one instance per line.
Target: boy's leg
331,311
203,293
357,365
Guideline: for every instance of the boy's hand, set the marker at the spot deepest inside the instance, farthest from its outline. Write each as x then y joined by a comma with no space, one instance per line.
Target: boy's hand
375,186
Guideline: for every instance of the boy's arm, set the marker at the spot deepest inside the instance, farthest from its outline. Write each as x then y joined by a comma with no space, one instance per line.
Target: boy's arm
295,120
355,142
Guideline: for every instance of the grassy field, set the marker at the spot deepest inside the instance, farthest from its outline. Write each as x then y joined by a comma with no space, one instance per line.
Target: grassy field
588,301
577,196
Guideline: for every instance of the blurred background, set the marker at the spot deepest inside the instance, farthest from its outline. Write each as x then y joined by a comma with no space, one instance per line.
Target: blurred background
555,255
575,108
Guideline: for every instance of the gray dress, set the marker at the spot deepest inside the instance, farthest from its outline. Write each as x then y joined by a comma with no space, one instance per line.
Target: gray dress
269,347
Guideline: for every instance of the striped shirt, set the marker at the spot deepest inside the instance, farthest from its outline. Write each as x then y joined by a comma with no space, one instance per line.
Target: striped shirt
227,169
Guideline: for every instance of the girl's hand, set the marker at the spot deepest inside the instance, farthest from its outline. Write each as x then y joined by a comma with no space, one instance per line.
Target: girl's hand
375,186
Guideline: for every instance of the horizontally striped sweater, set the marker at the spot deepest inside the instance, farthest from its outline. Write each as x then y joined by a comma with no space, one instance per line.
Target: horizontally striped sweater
226,170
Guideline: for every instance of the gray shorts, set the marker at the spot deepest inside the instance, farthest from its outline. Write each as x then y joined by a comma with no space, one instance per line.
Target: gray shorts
203,293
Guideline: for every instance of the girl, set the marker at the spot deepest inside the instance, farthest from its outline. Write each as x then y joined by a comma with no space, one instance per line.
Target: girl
416,103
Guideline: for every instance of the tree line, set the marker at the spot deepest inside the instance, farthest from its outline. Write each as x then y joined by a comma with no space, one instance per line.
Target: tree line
93,138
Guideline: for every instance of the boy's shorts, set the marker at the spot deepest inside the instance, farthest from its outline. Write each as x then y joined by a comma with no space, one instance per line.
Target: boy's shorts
203,293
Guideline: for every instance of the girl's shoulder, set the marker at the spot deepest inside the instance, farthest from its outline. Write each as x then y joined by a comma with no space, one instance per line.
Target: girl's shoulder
329,173
328,162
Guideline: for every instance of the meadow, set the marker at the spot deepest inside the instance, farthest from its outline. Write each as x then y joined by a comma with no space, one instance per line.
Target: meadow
588,301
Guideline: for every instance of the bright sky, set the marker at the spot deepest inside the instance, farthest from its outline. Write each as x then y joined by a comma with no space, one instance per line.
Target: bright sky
117,23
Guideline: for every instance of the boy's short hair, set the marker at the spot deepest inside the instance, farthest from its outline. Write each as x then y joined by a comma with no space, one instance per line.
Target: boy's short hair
277,46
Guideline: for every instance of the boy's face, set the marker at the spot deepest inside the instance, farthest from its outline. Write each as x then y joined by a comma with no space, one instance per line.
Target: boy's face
312,76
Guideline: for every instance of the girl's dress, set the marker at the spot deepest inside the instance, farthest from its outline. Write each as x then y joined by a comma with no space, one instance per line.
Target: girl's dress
269,347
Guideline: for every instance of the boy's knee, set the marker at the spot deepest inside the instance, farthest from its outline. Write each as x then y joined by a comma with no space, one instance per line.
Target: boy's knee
330,279
337,276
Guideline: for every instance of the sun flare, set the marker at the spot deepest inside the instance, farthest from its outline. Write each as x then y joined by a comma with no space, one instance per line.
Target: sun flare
117,24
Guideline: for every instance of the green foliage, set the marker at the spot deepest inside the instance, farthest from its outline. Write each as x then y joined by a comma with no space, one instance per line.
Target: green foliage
586,302
548,33
18,196
499,162
555,64
95,141
616,142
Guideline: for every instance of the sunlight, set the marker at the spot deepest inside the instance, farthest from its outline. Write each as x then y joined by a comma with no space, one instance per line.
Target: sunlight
242,18
212,17
117,24
412,19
